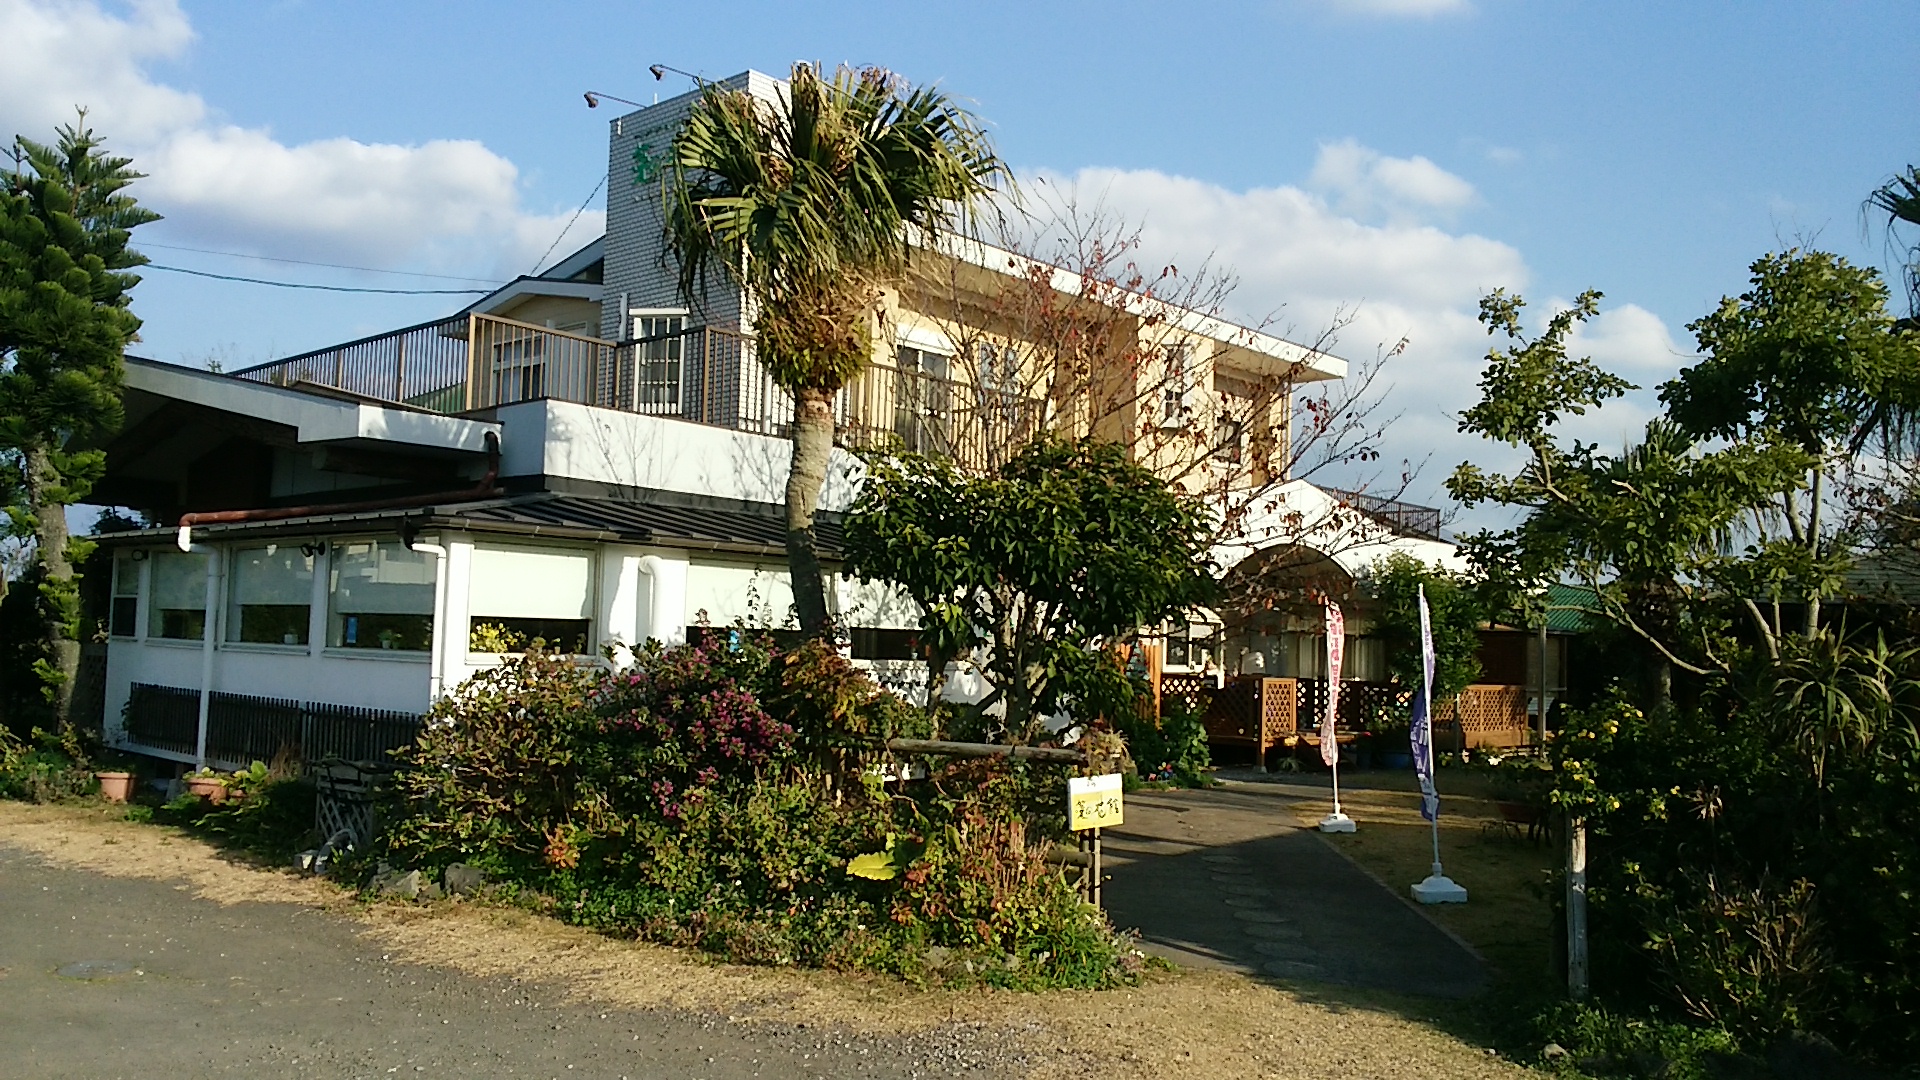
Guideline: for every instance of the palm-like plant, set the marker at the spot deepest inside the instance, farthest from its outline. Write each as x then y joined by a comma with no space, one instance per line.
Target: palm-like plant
810,206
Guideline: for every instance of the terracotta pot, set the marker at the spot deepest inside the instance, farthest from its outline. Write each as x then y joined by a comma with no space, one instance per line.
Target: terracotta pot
115,786
211,788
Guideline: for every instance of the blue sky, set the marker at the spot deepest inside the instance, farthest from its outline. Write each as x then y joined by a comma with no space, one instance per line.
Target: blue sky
1398,155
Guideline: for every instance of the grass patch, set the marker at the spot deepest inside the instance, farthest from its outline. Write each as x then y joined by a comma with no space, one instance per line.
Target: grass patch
1508,916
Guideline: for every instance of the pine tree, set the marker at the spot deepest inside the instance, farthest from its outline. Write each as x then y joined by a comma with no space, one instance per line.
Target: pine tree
65,223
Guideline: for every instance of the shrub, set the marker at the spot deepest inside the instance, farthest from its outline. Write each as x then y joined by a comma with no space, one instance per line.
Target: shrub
1752,860
712,796
43,771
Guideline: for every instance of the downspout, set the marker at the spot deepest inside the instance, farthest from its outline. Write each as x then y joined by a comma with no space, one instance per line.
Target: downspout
649,566
436,657
487,488
209,626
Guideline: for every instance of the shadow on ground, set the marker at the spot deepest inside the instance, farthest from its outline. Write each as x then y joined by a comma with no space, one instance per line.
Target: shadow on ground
1225,879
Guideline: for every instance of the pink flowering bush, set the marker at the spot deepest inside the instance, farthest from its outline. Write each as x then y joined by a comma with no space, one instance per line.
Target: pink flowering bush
713,796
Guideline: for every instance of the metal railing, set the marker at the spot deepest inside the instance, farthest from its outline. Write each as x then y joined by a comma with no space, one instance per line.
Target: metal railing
1401,517
708,375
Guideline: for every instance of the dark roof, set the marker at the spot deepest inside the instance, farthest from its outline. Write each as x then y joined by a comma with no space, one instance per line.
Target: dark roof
669,522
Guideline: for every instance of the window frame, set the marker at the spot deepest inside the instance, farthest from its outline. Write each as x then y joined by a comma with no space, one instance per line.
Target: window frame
342,647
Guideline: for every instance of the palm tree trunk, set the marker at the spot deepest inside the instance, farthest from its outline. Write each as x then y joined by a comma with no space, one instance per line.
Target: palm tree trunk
812,453
57,587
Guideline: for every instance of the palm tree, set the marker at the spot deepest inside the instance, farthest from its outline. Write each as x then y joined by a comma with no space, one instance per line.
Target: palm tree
1900,199
809,206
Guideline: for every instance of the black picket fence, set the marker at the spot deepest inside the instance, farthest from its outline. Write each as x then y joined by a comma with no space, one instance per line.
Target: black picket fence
243,727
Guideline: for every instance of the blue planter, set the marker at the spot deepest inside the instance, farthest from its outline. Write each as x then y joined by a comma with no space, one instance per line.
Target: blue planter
1389,760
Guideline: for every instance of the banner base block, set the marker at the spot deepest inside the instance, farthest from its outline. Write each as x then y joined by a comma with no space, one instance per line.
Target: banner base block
1337,822
1439,889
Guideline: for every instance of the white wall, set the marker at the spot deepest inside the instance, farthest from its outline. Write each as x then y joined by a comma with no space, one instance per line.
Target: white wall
558,438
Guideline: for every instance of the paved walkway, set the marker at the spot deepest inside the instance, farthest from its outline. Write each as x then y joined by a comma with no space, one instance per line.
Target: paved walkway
1222,878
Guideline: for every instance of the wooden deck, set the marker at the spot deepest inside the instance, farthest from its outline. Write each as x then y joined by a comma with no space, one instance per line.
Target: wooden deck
1262,713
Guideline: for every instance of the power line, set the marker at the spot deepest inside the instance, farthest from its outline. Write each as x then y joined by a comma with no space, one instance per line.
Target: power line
320,288
328,265
563,232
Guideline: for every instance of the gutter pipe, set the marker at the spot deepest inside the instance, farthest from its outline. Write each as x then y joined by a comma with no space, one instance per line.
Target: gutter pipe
487,488
437,664
208,627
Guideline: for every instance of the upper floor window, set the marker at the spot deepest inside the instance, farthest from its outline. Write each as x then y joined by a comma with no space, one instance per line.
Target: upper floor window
657,360
1174,391
923,400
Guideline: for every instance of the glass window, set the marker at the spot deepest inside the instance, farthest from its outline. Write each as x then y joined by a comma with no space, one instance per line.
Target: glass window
657,362
270,595
179,605
123,615
517,595
923,400
381,596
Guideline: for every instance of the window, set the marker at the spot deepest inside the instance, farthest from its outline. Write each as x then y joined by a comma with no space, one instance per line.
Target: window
520,368
178,608
123,615
516,595
1190,646
871,643
656,360
1173,393
1229,435
381,596
270,595
923,400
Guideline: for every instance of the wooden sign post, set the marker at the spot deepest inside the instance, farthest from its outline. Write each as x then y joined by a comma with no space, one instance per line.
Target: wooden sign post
1093,803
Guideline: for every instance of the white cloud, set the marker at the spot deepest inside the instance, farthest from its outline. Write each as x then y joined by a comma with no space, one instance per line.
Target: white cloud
441,204
1365,182
1296,249
1421,8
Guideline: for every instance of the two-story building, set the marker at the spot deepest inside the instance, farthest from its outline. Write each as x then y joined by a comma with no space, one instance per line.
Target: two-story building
590,458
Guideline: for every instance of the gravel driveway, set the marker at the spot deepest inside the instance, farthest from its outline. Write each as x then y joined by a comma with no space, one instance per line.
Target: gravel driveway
110,977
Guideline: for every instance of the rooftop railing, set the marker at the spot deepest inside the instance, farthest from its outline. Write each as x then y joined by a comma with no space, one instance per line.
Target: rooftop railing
707,375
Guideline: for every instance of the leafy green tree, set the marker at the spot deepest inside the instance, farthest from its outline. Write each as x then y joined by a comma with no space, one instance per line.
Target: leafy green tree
65,223
1646,529
1455,616
811,206
1066,547
1808,359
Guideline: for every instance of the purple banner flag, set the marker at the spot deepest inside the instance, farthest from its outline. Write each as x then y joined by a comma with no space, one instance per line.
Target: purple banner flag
1422,730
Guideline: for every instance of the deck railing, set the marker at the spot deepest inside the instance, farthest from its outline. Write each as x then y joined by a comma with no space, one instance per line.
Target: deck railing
705,374
244,727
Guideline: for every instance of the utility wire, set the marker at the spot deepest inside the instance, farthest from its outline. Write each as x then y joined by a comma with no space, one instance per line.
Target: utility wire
320,288
576,217
328,265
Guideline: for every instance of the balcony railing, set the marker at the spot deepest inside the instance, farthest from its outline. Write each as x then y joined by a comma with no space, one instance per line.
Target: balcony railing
707,375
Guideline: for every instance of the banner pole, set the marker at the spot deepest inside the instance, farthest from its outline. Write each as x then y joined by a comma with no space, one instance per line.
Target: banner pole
1336,630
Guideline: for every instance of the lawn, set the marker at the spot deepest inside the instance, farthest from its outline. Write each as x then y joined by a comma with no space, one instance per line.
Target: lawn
1508,916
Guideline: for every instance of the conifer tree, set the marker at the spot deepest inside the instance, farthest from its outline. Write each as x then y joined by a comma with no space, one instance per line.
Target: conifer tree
65,223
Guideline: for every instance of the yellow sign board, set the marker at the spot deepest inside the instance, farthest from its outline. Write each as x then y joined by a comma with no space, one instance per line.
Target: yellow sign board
1093,802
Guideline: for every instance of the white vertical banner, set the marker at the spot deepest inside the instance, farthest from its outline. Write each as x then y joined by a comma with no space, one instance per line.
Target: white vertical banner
1336,652
1337,821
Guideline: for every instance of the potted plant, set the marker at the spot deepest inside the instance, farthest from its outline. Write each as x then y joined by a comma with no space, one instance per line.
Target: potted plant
209,784
116,781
